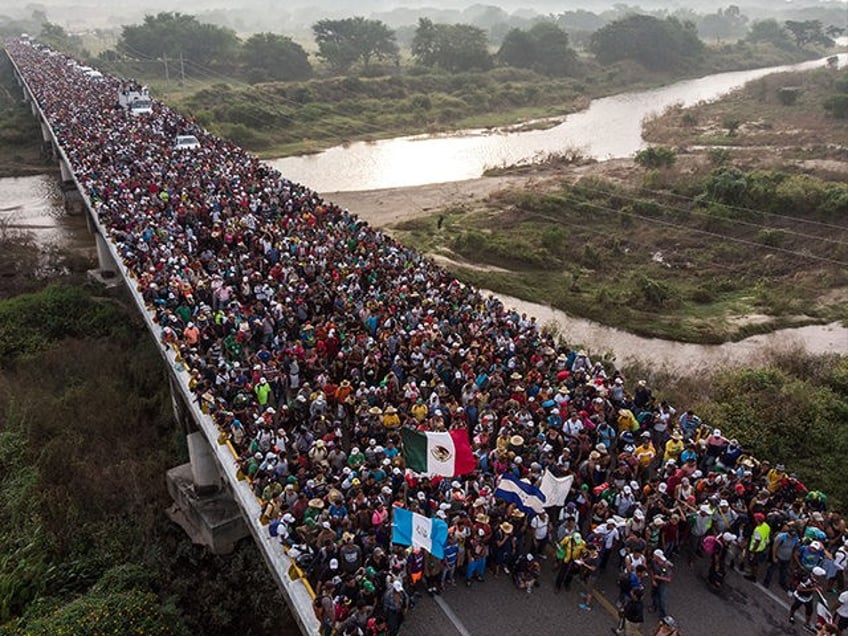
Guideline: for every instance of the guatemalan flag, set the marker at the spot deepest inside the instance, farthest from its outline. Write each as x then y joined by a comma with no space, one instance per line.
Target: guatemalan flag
410,528
529,499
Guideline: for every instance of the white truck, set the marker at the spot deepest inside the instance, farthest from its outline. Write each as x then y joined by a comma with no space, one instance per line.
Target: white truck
135,100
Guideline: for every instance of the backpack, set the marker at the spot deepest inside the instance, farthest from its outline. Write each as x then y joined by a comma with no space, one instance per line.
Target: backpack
711,544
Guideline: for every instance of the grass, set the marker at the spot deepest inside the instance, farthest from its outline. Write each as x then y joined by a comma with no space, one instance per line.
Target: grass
649,262
798,130
20,134
284,118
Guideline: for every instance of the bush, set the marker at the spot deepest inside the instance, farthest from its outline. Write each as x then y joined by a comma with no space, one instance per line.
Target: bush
30,322
656,157
115,613
837,106
788,95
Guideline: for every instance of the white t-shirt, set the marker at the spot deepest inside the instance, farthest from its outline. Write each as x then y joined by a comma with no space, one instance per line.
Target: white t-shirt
540,527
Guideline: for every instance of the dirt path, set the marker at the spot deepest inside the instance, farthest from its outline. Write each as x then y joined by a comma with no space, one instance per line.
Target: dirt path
387,207
384,208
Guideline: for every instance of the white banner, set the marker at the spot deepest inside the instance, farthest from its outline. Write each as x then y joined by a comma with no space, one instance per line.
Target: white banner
555,489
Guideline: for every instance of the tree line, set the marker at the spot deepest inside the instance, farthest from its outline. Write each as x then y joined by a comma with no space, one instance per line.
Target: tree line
368,46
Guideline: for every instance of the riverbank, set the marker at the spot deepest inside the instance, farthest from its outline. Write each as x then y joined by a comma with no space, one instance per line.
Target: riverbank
20,135
279,119
642,264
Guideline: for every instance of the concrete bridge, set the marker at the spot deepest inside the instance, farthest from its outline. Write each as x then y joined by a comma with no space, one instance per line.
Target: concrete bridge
212,500
217,506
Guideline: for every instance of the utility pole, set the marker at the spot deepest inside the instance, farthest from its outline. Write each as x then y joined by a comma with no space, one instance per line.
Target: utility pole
165,59
182,67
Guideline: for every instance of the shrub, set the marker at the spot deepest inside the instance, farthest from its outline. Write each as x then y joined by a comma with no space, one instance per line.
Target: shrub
837,106
788,95
656,157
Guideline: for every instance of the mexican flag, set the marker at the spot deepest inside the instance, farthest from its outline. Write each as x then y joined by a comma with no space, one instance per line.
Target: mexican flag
446,454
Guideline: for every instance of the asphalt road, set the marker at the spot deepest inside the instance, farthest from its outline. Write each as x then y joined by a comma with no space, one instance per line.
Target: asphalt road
497,607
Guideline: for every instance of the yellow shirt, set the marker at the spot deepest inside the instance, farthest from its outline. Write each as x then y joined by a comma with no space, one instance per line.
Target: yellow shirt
673,448
645,453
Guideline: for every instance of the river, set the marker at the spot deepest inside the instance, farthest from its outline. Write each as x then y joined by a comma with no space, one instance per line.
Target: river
610,128
35,204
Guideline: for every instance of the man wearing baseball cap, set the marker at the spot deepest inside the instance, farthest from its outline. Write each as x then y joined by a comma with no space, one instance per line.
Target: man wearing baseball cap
758,546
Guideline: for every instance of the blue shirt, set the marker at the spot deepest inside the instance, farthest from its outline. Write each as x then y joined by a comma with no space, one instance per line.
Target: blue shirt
451,553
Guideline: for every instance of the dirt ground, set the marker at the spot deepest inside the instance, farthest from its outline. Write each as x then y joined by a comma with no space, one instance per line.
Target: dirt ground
387,207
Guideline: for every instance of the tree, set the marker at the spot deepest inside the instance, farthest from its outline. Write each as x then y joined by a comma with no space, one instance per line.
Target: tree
275,57
543,48
769,31
807,32
453,47
342,43
724,23
517,49
654,43
174,34
56,36
553,54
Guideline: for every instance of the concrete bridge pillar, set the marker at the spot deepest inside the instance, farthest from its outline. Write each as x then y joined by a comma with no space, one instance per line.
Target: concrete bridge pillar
65,170
47,142
204,469
34,108
74,203
104,257
204,509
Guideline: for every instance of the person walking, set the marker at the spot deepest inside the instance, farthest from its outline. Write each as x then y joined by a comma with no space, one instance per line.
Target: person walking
570,550
803,595
395,605
782,548
758,545
660,570
632,615
541,527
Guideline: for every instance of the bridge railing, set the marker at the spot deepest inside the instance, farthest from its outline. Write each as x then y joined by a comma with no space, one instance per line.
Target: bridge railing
296,589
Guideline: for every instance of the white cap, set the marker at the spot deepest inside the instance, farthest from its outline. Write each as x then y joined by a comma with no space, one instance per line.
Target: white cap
819,571
398,586
334,563
659,554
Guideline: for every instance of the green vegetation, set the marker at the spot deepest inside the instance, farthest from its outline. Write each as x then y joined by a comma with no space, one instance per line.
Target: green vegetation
656,44
176,34
792,409
86,437
796,116
343,43
656,157
20,135
542,69
691,256
451,47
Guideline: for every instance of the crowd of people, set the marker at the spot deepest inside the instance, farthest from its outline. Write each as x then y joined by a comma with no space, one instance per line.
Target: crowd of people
312,339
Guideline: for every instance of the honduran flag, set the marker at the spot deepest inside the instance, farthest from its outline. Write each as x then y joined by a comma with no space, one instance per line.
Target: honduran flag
410,528
446,454
529,499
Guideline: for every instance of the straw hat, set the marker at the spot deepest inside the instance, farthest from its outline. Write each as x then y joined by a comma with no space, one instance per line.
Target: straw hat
481,518
316,503
516,440
375,410
506,526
